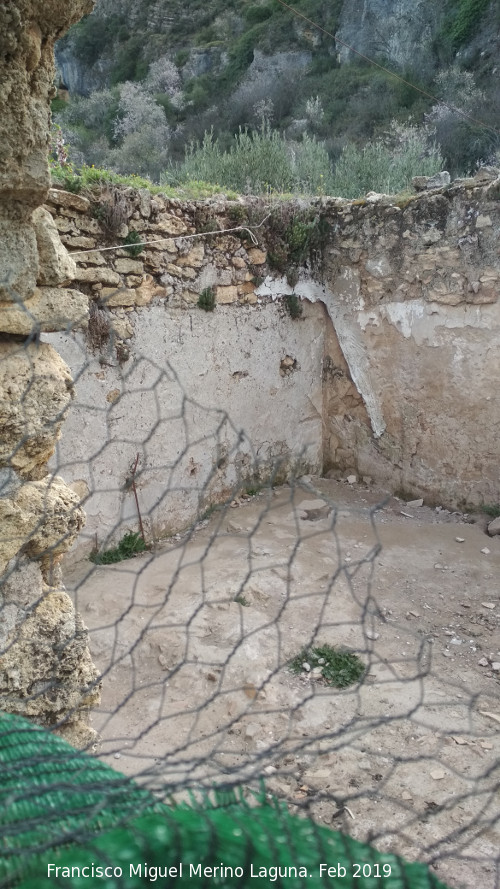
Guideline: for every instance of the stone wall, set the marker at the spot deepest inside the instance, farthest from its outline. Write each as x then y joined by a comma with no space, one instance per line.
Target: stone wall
413,292
389,372
45,667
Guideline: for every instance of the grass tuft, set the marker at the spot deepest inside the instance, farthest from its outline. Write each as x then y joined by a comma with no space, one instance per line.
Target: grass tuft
206,299
340,667
129,546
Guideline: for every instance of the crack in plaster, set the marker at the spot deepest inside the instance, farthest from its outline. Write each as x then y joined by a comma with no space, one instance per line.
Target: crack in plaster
353,348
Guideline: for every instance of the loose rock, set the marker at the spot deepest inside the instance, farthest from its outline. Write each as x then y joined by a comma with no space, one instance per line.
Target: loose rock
494,527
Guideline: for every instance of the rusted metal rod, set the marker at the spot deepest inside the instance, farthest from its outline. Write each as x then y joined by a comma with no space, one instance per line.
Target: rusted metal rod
133,470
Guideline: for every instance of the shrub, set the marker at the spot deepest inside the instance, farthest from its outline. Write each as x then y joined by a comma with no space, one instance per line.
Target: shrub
467,20
255,14
92,35
386,165
182,57
258,162
99,327
491,509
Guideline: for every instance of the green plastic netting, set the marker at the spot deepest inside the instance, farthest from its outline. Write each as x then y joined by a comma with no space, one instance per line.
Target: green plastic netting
69,820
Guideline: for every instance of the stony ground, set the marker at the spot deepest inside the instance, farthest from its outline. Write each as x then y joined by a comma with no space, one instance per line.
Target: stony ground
195,642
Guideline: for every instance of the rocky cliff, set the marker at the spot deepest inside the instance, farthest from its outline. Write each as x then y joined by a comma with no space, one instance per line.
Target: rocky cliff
409,36
45,667
218,68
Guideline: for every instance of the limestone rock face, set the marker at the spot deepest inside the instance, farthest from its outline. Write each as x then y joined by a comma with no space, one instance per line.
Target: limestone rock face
40,518
45,667
48,310
46,671
407,31
18,259
56,265
36,390
28,30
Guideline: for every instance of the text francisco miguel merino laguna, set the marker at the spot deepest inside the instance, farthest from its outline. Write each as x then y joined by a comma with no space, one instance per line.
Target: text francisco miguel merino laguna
180,870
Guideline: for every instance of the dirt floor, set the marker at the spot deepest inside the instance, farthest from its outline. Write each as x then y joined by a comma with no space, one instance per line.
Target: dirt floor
197,686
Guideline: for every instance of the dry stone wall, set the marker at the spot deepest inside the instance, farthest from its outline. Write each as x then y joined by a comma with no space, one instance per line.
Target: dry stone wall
45,667
390,371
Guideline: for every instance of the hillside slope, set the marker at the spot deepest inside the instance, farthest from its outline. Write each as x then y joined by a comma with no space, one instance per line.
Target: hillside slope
225,64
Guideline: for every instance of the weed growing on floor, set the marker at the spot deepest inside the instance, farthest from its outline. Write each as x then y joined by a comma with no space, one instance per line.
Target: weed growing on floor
339,667
242,601
129,546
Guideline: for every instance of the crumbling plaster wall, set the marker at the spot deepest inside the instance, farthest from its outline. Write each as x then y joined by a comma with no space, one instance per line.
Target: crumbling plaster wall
391,371
45,667
415,294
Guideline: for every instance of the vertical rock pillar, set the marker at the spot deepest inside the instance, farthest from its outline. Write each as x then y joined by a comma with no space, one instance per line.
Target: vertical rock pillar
46,672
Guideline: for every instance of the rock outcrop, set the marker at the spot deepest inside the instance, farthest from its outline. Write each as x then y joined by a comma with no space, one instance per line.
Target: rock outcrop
46,671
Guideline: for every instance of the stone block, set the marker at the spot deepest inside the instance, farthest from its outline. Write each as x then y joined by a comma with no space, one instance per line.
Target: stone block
188,273
190,297
87,224
68,200
483,221
81,242
129,266
145,202
494,527
379,266
137,296
173,269
246,288
118,296
18,260
36,390
147,291
256,256
169,225
225,295
483,296
41,517
194,258
46,671
165,245
55,264
97,276
122,328
48,310
62,224
446,298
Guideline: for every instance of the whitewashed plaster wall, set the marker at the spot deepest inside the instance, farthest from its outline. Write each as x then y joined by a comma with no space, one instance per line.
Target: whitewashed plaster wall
205,402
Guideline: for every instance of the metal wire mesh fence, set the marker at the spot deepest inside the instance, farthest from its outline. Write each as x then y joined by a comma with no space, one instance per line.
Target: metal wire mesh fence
247,624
